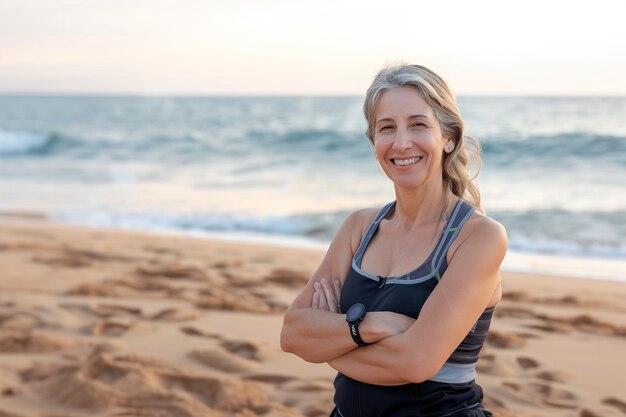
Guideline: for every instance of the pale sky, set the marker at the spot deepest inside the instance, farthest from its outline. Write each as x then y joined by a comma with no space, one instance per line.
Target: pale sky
280,47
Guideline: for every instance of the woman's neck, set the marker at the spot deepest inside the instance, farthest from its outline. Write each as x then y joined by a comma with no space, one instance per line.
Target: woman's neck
425,205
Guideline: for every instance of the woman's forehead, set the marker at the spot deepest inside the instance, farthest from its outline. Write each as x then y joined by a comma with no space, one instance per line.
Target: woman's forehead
402,102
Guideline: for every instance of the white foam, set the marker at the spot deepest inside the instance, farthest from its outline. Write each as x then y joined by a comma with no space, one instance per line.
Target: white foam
20,142
613,269
586,267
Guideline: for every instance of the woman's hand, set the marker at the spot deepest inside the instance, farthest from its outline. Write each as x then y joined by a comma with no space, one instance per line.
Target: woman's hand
326,295
377,324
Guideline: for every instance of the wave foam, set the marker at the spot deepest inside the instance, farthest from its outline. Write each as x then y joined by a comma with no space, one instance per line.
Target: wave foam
19,143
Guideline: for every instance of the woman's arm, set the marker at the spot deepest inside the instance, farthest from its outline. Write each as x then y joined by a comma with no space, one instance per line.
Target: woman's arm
446,318
318,335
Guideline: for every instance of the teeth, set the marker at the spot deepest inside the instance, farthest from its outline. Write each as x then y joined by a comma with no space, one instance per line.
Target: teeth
407,161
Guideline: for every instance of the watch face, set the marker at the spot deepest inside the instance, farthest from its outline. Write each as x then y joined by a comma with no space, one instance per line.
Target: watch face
355,312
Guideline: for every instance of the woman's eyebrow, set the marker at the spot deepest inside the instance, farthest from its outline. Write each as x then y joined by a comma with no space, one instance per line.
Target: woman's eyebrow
413,116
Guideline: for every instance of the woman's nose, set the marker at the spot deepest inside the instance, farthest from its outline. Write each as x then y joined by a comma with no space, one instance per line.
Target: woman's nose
403,139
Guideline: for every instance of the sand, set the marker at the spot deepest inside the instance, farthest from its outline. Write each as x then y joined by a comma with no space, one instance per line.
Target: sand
114,323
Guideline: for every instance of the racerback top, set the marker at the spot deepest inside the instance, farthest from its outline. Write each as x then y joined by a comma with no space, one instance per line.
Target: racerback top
452,391
406,294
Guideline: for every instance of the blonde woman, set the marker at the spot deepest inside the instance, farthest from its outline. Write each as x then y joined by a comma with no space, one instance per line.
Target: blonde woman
401,303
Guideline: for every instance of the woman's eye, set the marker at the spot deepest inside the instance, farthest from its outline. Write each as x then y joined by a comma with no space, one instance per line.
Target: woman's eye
386,128
418,124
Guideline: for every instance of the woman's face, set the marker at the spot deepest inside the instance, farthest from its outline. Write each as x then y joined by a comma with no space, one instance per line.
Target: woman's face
408,140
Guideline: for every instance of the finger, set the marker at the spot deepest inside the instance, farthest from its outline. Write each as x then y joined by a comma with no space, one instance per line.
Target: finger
315,303
331,300
322,296
337,288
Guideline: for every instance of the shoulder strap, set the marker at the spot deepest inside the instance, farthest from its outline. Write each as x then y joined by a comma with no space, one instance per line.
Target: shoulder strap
460,215
369,232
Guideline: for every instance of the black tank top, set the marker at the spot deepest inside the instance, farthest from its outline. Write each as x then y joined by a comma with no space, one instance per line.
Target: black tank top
452,389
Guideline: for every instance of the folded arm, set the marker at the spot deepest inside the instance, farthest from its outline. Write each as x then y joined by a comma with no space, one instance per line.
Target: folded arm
446,318
320,334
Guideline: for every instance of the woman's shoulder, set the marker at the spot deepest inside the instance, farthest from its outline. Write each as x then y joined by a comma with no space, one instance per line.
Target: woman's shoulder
481,241
481,227
357,223
364,216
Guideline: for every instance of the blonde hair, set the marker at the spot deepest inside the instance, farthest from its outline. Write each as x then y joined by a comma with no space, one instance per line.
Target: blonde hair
456,164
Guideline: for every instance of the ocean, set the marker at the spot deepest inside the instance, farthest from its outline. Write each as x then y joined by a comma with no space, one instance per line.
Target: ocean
290,169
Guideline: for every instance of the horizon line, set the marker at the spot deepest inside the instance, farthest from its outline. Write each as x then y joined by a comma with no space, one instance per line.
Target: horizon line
283,95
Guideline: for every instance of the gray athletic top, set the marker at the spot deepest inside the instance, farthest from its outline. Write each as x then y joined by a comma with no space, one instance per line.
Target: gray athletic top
406,294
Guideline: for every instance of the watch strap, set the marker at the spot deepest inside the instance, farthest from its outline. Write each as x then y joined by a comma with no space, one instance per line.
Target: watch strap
354,332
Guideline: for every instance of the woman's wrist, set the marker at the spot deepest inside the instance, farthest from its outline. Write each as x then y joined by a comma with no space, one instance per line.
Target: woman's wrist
371,329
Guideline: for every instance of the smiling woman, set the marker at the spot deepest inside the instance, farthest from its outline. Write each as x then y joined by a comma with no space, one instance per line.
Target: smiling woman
416,280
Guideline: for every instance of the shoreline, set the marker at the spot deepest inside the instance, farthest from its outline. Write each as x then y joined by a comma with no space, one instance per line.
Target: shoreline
562,265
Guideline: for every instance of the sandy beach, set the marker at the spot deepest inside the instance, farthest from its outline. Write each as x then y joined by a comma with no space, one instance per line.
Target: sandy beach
116,323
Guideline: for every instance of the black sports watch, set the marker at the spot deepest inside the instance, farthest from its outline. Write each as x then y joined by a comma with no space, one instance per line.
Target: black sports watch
355,314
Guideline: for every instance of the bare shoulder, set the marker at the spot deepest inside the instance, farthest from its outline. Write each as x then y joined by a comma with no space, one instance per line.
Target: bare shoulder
483,225
363,217
356,223
481,231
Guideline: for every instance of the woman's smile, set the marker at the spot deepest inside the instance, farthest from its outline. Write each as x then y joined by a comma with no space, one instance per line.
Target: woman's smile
405,162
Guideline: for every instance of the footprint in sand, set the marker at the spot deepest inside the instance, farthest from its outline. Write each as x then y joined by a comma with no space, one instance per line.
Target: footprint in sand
512,385
288,278
233,301
9,383
620,405
308,385
21,321
553,396
567,300
122,288
552,327
17,341
507,340
588,413
116,327
172,271
107,328
174,314
557,376
527,363
582,323
63,261
269,378
516,296
514,312
192,331
226,265
102,310
255,350
223,360
488,364
93,290
590,324
107,310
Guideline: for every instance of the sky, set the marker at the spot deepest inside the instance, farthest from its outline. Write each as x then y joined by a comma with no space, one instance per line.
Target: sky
298,47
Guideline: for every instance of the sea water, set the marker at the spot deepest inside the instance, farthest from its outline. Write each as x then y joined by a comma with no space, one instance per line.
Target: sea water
290,169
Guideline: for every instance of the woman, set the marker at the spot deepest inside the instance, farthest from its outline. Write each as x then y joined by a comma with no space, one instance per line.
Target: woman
417,280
